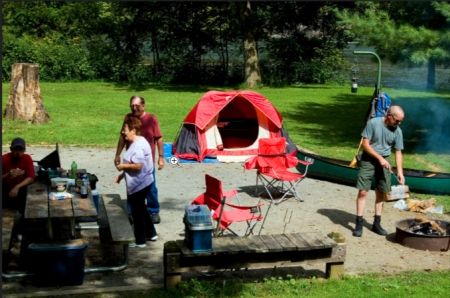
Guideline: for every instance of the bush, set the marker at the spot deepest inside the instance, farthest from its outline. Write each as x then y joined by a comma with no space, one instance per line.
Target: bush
15,51
326,66
59,59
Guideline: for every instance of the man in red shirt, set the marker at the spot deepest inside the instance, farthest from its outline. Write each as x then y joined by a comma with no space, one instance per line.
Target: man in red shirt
152,133
17,174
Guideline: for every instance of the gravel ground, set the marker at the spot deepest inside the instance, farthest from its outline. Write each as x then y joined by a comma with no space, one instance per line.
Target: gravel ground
327,207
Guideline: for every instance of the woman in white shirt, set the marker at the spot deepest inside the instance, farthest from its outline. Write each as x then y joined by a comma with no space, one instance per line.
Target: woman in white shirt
137,168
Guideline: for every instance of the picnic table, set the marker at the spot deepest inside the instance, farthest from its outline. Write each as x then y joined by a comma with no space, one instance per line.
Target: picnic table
52,234
57,217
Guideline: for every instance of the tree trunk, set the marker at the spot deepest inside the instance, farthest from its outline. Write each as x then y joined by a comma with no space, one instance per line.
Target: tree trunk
252,70
431,79
25,100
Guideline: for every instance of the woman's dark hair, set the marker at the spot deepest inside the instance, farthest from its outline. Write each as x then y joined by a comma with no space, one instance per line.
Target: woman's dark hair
133,122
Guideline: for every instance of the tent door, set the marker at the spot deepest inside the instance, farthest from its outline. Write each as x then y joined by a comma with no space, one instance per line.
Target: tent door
238,124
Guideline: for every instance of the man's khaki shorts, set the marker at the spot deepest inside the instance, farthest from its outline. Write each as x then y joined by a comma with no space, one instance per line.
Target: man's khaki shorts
370,169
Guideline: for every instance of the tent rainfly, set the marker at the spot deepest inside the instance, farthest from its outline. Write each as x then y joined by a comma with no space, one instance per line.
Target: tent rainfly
228,125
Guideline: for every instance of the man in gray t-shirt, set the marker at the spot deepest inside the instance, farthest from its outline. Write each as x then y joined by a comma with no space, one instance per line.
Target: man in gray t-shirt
380,136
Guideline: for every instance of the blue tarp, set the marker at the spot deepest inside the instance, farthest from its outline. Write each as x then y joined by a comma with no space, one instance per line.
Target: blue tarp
168,155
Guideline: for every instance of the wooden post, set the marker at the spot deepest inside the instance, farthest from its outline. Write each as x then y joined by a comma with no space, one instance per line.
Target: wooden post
172,272
25,100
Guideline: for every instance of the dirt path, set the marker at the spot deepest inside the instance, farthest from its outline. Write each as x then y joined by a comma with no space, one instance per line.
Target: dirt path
327,207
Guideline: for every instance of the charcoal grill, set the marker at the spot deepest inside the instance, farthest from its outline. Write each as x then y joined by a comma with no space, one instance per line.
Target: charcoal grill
423,241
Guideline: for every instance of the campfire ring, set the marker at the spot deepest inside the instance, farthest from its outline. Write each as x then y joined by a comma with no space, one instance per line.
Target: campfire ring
405,237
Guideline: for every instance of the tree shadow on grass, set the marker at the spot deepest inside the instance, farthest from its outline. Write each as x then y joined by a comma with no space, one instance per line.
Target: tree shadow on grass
341,121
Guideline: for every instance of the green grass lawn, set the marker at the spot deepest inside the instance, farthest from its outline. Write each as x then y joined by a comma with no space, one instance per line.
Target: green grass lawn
322,118
408,284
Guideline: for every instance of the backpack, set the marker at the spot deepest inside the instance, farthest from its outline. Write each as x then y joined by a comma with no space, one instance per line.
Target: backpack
380,105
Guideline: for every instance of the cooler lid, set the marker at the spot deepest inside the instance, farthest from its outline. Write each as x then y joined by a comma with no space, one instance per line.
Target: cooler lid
57,246
198,216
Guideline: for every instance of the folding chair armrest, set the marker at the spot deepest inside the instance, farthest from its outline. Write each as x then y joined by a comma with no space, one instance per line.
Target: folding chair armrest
306,165
304,162
230,193
251,163
291,161
259,205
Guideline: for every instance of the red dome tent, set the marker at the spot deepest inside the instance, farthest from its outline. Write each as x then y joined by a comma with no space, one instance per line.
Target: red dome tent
228,125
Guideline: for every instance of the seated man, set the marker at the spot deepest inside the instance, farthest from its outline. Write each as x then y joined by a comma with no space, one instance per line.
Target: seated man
17,174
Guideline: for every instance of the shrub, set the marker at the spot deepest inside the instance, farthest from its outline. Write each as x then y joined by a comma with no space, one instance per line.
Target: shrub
58,58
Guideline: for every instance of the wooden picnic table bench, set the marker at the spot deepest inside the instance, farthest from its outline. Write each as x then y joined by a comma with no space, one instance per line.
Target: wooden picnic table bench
114,230
115,216
8,220
254,251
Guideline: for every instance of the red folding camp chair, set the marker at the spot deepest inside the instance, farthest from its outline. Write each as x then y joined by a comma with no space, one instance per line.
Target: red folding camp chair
272,165
223,211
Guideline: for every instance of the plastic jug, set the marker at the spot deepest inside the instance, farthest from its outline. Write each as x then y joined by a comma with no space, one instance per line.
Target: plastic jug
73,170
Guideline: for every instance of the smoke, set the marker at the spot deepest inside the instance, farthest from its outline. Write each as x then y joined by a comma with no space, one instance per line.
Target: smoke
427,124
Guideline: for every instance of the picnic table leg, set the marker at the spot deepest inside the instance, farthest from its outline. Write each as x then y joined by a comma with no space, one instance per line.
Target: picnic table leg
335,267
335,270
50,228
171,280
172,274
72,227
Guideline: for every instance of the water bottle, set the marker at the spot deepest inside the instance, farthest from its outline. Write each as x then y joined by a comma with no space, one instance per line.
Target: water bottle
95,197
73,170
84,186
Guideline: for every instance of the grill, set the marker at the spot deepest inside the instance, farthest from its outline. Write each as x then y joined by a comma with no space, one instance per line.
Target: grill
429,235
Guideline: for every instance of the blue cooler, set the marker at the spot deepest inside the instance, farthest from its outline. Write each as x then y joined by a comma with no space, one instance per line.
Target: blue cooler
198,228
57,263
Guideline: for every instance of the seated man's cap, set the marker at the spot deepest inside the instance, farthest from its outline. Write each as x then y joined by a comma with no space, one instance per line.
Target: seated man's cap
18,143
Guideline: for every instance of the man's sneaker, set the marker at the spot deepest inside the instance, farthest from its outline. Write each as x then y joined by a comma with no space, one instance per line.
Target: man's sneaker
155,218
137,245
154,238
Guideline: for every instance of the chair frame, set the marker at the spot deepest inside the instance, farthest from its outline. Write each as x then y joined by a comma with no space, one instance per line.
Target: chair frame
219,202
273,184
271,177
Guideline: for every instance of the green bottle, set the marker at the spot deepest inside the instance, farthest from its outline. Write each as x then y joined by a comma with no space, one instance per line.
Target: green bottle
73,170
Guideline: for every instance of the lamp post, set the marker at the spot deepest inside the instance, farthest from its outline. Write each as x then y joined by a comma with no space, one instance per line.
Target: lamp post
378,87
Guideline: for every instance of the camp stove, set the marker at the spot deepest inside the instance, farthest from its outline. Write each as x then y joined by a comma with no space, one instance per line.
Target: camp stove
424,234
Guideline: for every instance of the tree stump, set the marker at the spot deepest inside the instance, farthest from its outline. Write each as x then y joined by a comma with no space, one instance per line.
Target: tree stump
25,100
